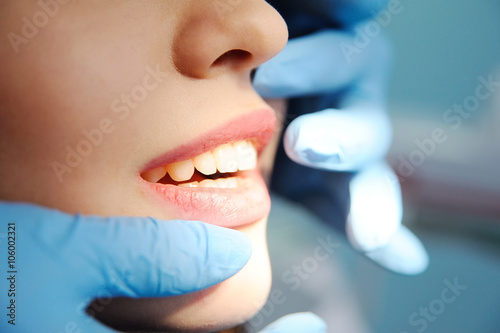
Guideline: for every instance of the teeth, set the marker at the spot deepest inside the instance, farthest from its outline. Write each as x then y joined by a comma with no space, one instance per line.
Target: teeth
181,171
209,183
231,182
205,164
154,175
193,184
247,155
226,158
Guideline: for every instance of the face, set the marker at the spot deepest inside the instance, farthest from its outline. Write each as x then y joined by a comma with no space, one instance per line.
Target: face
144,108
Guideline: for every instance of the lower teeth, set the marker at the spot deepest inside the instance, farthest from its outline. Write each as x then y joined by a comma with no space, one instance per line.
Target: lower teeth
231,182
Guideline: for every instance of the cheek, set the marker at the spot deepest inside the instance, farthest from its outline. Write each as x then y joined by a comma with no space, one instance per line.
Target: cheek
50,104
38,124
220,307
66,78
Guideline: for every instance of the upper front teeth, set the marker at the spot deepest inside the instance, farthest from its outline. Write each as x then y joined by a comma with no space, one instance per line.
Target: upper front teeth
205,163
246,155
226,158
180,171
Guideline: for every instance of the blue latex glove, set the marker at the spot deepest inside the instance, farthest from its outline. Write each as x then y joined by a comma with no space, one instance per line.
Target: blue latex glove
355,133
304,322
61,262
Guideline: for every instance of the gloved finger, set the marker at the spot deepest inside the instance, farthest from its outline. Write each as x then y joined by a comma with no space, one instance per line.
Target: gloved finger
353,138
126,256
338,140
321,63
404,254
376,207
303,322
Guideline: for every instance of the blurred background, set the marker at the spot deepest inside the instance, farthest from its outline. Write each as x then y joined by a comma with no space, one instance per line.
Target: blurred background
443,51
446,52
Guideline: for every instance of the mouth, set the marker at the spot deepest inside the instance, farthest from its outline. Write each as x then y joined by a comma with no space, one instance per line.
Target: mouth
217,168
215,178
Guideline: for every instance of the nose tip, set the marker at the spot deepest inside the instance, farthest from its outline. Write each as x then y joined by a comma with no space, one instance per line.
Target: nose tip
238,37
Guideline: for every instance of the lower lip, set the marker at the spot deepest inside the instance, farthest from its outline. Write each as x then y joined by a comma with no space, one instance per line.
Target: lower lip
228,208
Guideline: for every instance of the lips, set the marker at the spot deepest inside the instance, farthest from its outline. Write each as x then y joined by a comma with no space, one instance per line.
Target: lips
214,177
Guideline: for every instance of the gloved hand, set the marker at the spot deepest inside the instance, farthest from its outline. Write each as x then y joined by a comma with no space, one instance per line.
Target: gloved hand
345,82
303,322
54,264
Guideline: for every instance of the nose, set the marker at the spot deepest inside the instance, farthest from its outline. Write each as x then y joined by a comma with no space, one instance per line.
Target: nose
227,35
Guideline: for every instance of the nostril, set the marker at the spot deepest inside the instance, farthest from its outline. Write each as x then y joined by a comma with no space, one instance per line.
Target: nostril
232,58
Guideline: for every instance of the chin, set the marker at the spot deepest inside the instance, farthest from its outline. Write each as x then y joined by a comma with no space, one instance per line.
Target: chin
220,307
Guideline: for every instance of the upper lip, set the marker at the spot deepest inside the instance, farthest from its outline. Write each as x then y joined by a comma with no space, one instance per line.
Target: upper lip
258,125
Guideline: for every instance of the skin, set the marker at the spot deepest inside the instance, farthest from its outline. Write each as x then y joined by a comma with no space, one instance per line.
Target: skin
64,80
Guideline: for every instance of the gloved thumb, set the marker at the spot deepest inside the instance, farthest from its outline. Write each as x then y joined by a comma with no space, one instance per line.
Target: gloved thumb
69,260
149,257
129,256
